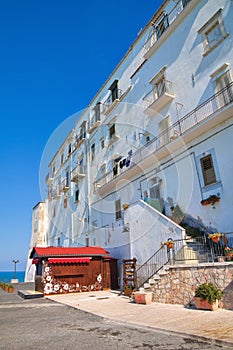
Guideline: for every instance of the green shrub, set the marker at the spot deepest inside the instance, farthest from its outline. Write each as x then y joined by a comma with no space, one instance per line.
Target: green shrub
208,291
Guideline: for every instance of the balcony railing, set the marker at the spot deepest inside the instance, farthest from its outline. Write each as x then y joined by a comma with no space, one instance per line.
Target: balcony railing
163,23
49,178
94,122
80,138
159,96
111,100
197,116
65,185
57,191
77,173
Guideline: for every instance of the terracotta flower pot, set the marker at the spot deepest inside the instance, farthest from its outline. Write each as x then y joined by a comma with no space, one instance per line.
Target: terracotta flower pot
215,239
170,245
205,305
143,298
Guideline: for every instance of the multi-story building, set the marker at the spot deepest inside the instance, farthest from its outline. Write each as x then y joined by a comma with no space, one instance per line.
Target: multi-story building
154,145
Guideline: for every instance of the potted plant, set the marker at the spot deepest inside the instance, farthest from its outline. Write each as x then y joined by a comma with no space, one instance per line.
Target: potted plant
10,288
215,237
128,290
229,253
211,200
169,243
207,296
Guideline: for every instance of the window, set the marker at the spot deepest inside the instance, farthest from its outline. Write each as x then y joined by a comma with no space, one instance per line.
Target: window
103,169
223,83
164,130
62,158
69,149
96,110
154,190
118,209
67,180
208,170
76,194
83,130
92,151
213,32
161,26
114,90
102,143
65,202
112,131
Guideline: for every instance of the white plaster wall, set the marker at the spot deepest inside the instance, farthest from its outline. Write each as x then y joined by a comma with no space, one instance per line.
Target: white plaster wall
148,230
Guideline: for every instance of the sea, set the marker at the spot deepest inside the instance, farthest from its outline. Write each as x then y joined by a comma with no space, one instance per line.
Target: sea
7,276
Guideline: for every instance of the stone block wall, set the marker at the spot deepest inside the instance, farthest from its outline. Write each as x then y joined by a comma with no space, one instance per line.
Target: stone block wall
179,284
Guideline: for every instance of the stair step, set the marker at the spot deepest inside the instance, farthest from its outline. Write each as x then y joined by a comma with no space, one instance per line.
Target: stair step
146,286
156,277
151,281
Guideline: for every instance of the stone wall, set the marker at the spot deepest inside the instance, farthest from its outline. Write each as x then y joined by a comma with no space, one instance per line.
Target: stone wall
178,285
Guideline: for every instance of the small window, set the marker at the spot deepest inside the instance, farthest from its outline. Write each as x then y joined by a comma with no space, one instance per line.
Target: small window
67,180
103,169
118,209
112,131
164,128
208,170
53,171
102,143
62,158
54,212
213,32
114,90
65,202
69,149
92,151
77,195
96,113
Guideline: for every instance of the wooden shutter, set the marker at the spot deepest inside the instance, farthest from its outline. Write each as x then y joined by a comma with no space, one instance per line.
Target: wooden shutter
208,170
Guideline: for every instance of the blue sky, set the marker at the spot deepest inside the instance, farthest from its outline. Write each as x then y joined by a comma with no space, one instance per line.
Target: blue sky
55,55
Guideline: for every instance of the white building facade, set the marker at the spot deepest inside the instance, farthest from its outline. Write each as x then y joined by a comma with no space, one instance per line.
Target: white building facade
153,148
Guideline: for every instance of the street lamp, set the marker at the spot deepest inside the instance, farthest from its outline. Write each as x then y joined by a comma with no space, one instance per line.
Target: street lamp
15,262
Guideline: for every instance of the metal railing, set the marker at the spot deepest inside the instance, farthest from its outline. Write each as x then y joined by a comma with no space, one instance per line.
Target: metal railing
152,266
191,250
163,23
158,90
201,113
111,98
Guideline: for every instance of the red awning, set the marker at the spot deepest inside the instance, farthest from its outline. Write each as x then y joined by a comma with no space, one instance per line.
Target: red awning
68,260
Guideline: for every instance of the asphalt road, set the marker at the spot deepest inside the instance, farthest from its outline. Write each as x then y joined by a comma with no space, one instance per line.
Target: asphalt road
42,324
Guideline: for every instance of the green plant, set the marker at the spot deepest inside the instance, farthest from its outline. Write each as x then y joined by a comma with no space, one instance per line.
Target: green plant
208,291
129,286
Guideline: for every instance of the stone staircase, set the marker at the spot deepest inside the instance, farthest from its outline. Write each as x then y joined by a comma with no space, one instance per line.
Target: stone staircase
192,252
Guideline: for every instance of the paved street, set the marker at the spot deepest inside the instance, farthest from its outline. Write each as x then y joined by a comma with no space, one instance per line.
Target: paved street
45,324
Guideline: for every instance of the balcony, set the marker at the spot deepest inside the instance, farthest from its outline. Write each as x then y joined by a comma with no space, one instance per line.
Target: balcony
49,179
158,97
112,101
162,26
78,173
65,185
80,139
200,120
57,192
94,123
